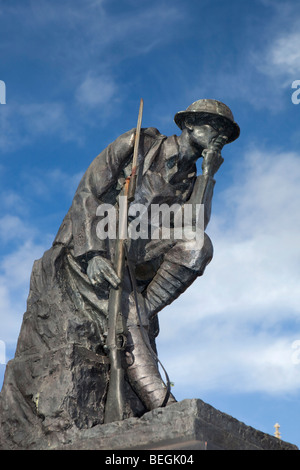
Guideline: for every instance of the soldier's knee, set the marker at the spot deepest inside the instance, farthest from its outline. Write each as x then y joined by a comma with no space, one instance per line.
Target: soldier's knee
194,254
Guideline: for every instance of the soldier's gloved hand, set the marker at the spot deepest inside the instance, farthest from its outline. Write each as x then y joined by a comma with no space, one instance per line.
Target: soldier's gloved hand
101,269
212,158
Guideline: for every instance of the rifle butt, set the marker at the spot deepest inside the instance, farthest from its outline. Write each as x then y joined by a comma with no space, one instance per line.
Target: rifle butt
115,401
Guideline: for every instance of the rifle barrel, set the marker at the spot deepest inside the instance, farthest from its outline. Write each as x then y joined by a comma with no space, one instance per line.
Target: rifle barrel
132,185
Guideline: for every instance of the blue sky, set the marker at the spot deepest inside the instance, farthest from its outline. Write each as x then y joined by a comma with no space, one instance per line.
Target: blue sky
74,73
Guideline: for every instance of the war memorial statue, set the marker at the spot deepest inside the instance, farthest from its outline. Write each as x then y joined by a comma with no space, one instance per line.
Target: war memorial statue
86,353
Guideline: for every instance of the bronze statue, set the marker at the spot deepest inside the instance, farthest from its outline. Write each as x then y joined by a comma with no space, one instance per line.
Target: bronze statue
63,365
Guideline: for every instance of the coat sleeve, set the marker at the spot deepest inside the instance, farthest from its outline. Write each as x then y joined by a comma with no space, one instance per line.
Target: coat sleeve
98,183
186,260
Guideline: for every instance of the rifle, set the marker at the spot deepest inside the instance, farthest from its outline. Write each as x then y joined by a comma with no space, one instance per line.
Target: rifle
116,337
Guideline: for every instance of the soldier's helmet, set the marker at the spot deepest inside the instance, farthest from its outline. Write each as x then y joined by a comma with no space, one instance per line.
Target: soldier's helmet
212,112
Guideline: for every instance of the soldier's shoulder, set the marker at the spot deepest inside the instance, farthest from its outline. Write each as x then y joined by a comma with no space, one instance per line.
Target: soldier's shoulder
128,138
125,142
148,131
153,132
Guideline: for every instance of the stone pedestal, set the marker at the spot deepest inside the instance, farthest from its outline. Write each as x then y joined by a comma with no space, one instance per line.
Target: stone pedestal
187,425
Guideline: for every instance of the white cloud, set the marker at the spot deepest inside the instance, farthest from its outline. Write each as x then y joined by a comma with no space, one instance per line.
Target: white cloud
24,243
11,200
233,329
67,182
16,266
51,183
266,66
285,54
15,270
81,32
66,41
21,244
43,118
281,59
96,90
230,358
12,227
21,125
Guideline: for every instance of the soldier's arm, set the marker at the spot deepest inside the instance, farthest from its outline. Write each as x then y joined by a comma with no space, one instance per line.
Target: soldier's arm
187,260
98,183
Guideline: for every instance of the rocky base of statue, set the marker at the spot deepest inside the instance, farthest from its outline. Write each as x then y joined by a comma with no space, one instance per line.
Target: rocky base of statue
187,425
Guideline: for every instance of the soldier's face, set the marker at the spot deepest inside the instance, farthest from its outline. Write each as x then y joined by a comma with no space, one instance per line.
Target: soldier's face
203,135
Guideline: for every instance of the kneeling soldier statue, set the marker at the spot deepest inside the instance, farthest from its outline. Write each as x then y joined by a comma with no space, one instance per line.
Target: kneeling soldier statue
86,352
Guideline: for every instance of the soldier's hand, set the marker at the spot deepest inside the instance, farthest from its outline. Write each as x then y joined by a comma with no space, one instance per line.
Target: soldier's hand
100,269
212,158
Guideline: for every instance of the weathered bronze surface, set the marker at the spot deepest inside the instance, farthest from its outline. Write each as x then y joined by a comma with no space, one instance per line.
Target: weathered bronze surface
59,378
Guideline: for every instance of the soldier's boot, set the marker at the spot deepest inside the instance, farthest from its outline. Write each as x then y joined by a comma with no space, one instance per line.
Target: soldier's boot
142,371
